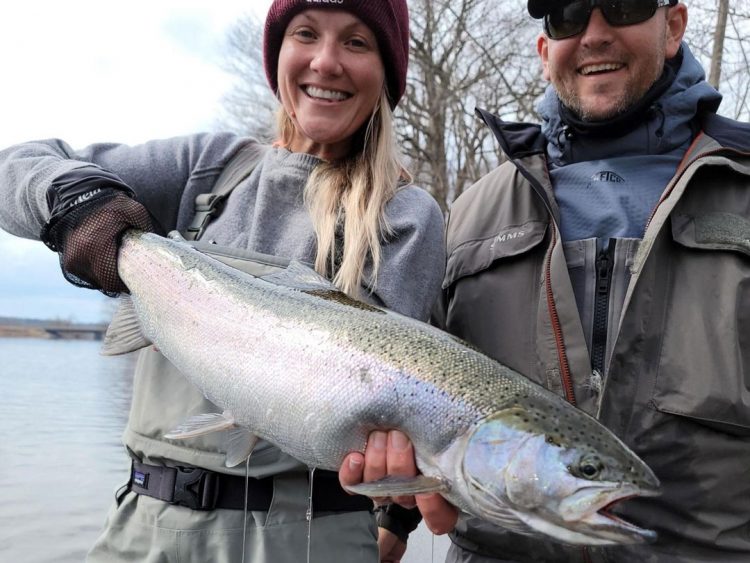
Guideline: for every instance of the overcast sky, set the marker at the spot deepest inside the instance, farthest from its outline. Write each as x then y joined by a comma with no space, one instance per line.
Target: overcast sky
88,71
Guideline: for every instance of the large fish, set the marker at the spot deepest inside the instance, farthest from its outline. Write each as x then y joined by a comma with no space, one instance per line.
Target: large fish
292,360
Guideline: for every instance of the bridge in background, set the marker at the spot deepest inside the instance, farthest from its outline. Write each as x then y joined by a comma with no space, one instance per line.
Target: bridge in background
51,329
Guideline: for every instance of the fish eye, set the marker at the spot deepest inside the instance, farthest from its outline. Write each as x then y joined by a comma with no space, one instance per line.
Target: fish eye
588,468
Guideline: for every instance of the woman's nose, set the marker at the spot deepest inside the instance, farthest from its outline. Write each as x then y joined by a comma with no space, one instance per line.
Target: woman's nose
327,59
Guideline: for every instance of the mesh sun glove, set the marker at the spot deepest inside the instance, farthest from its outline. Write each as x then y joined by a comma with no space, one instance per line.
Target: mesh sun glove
90,211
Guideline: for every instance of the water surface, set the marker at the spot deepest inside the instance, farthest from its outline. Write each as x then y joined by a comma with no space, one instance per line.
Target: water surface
63,411
64,408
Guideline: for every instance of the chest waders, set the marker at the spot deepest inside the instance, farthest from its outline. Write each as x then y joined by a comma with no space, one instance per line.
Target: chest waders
193,485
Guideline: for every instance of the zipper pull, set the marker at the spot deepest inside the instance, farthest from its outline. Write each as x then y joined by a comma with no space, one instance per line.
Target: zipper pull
603,273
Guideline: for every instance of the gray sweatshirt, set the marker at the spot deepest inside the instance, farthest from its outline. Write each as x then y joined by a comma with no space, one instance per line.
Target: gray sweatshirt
264,214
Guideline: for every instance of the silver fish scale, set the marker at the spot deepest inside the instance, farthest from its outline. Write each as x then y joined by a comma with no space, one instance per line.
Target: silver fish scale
318,382
315,375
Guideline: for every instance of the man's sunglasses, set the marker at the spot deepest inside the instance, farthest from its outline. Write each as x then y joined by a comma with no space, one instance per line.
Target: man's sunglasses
572,18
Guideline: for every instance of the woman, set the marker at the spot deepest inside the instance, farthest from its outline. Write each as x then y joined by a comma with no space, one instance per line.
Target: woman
330,192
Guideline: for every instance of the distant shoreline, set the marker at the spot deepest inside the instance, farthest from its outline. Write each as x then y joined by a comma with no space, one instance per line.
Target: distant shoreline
51,329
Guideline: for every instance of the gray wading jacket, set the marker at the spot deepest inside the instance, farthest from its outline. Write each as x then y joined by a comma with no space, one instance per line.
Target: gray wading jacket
265,214
677,382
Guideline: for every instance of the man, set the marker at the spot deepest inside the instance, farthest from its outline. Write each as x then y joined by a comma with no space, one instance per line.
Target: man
609,260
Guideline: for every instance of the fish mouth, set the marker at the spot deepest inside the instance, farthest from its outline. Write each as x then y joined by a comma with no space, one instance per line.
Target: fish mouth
600,521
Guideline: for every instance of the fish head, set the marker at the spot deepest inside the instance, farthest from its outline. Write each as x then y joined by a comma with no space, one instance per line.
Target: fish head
556,472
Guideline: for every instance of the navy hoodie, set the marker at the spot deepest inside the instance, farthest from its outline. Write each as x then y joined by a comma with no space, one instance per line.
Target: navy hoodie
607,184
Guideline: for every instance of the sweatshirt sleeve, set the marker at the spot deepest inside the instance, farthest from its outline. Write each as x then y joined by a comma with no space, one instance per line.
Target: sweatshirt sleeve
413,259
164,174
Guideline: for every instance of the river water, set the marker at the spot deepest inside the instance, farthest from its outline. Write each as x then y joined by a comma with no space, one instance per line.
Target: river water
63,408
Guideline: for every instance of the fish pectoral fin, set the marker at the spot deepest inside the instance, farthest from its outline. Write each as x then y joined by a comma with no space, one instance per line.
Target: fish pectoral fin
393,486
124,333
201,424
240,445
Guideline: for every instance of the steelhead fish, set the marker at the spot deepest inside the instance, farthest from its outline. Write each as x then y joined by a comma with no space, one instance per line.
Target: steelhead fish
292,360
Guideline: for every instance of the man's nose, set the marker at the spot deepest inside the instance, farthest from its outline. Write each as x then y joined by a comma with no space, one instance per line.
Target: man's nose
598,31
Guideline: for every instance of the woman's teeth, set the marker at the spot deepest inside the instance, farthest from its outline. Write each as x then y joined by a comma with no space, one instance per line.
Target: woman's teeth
331,95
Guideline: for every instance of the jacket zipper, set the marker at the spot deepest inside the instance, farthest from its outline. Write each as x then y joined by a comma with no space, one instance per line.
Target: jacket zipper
601,308
562,356
565,377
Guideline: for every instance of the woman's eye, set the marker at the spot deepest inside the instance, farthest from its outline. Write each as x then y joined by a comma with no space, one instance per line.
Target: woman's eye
358,43
304,34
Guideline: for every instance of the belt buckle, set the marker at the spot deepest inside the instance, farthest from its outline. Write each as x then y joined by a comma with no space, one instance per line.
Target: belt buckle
195,488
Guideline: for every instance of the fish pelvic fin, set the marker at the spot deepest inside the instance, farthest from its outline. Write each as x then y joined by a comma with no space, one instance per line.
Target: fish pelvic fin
200,425
394,486
124,333
240,445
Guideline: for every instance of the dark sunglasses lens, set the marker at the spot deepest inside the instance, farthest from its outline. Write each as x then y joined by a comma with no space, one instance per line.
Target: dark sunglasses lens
628,12
572,19
567,20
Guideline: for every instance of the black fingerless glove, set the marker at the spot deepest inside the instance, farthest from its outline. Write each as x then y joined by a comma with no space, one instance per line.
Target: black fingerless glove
90,211
398,520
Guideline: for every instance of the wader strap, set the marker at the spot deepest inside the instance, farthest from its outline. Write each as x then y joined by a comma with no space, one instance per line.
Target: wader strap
209,205
201,489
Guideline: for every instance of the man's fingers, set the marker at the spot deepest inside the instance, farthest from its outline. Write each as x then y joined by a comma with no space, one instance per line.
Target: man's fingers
352,469
376,464
439,515
400,461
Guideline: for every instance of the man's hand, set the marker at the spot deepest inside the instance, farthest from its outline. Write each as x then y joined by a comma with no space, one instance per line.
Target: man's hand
391,548
391,453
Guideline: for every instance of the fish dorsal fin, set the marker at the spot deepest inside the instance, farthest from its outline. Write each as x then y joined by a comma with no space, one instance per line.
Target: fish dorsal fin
303,278
124,333
393,486
201,424
240,445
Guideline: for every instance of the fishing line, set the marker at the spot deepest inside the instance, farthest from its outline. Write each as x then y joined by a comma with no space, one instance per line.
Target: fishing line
244,513
309,514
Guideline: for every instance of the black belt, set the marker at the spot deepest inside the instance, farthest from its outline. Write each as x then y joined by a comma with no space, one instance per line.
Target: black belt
201,489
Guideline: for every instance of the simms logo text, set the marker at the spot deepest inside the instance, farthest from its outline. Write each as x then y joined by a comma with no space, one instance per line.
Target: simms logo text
325,1
505,237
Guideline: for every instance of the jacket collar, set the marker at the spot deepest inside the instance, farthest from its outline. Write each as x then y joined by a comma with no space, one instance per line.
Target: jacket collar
517,140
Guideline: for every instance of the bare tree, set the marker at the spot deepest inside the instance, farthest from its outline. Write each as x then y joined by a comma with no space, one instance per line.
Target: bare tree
467,53
717,53
718,33
464,53
249,106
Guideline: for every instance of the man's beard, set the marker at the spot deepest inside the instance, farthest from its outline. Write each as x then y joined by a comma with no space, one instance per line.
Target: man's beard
634,90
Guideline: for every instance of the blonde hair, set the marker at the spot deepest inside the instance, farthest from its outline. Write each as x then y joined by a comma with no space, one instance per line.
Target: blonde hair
349,197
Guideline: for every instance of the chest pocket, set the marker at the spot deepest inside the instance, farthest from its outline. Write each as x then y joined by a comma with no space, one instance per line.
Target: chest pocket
475,256
704,369
493,289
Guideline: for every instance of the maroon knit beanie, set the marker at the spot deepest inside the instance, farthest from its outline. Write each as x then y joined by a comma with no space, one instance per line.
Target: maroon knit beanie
388,20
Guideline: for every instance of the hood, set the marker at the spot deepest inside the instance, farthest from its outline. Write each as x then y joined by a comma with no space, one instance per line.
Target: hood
652,128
